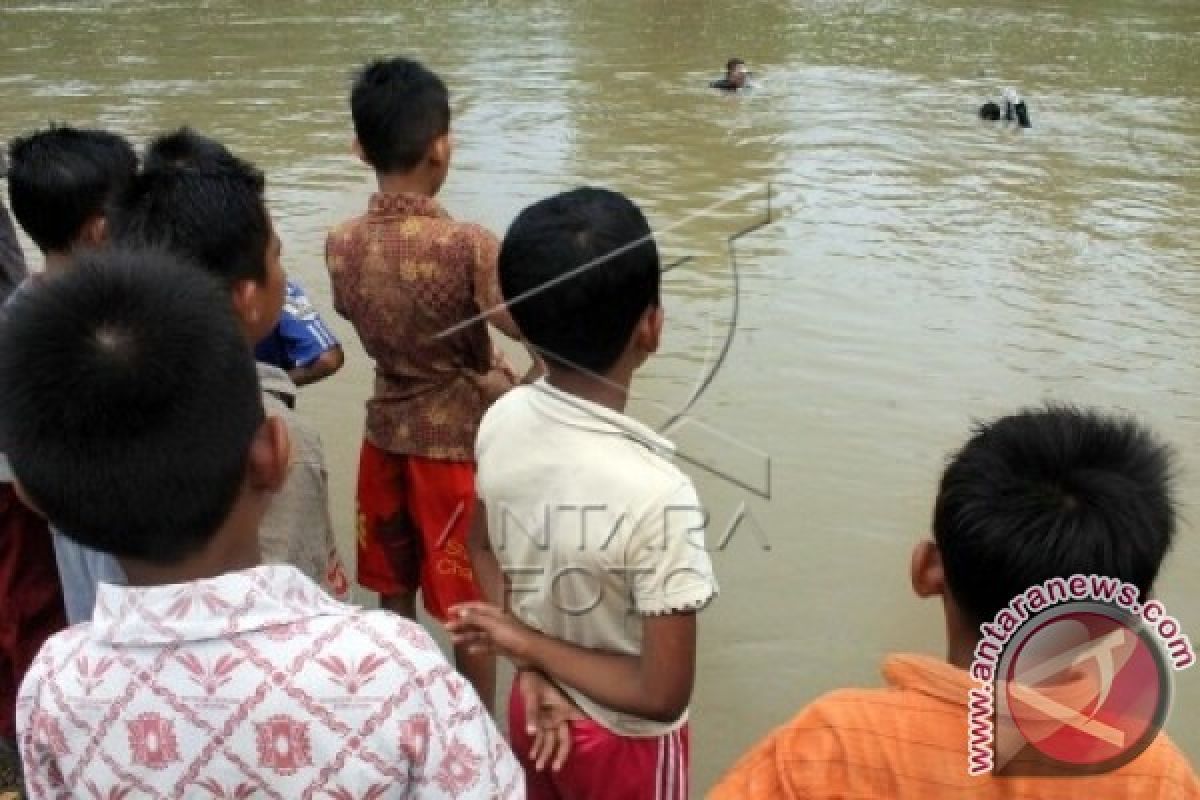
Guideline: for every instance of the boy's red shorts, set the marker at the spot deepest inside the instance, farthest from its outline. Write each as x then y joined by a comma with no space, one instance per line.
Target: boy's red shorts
31,603
413,517
603,765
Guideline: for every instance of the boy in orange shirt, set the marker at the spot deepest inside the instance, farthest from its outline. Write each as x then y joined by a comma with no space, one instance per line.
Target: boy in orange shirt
419,288
1042,494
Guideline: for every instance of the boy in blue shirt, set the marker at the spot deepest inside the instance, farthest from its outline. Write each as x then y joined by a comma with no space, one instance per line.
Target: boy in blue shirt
301,344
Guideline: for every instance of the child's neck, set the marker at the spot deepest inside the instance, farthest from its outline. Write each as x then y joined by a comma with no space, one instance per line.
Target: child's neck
234,547
610,390
417,181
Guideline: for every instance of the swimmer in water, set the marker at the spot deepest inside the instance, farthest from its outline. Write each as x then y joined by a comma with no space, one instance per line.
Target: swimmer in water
1014,110
735,76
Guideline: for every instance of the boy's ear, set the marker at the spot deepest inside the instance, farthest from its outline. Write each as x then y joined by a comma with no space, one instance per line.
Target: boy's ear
928,576
94,232
245,302
270,455
648,334
440,150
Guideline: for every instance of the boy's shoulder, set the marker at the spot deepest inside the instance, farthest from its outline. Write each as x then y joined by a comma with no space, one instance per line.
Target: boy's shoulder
609,446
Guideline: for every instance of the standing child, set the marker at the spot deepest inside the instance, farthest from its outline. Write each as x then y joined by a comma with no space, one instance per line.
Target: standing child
210,674
599,533
61,182
200,201
418,287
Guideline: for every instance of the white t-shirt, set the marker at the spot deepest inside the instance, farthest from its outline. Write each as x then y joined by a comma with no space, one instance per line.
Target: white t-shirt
594,527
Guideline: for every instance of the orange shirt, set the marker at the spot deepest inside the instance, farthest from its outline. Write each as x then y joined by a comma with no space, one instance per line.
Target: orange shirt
909,742
402,274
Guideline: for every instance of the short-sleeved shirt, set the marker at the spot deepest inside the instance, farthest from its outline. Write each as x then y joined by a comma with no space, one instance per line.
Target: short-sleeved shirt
253,684
593,525
300,336
12,260
909,741
403,274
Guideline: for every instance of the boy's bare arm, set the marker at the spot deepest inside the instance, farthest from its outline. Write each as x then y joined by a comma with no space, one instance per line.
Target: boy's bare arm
655,685
488,574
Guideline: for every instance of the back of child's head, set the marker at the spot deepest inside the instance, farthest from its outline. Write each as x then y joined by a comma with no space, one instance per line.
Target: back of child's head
196,198
399,108
62,177
579,270
116,430
1052,492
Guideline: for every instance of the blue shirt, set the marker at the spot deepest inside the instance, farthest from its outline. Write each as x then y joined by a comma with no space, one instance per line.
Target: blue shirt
300,336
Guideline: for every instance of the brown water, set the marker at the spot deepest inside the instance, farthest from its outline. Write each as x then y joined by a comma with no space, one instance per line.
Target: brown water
928,269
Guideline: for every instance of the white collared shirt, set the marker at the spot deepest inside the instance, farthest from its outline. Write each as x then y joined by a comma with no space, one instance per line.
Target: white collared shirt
593,525
253,684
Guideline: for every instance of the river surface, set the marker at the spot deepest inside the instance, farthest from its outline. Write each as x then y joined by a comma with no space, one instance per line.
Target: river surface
922,269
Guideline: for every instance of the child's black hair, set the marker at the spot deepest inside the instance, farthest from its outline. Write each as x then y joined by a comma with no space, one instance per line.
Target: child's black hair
128,403
1052,492
196,198
399,108
732,64
61,177
989,111
579,270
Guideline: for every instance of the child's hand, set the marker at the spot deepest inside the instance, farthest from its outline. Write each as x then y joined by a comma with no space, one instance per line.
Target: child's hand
547,714
485,628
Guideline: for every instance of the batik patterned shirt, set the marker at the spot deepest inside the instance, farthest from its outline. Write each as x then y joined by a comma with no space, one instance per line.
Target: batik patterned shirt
407,276
253,684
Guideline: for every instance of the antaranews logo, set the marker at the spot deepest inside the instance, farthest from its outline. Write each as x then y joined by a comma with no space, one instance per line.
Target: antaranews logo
1074,677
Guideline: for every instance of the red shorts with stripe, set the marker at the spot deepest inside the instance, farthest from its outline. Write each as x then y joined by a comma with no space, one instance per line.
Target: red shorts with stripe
31,603
603,765
413,517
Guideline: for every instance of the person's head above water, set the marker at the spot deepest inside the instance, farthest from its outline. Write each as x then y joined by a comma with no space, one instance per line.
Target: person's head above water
401,114
1044,493
735,72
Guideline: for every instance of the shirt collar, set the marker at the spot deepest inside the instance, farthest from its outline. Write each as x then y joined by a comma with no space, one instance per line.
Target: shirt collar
577,412
405,204
274,380
928,675
268,596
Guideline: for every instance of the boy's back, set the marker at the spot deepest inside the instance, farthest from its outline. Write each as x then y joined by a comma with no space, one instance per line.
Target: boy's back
404,273
909,742
253,682
592,524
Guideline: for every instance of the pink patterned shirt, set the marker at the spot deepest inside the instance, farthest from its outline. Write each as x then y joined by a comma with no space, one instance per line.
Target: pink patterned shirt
253,684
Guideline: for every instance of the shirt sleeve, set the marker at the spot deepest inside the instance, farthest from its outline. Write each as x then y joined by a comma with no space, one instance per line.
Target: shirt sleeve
297,529
302,332
667,558
486,278
39,735
12,260
341,256
463,754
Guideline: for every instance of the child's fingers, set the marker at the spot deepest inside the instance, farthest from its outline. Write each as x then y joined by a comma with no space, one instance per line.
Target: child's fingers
564,747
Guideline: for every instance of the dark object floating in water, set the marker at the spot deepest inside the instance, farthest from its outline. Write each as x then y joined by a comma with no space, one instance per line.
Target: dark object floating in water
1014,110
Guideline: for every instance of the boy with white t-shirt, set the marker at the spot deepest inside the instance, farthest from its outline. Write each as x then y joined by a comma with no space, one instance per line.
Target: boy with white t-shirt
598,535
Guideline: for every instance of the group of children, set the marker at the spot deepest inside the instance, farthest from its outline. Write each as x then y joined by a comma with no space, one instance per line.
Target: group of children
538,522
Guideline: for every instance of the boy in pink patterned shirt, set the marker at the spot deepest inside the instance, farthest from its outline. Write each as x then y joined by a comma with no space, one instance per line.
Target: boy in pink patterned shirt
209,675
